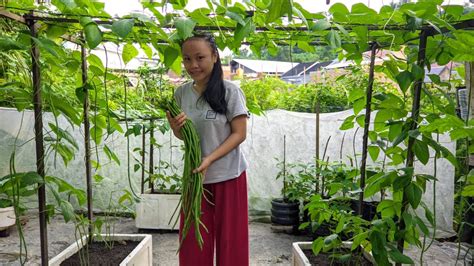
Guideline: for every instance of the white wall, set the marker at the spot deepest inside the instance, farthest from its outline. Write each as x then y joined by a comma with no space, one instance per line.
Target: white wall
264,143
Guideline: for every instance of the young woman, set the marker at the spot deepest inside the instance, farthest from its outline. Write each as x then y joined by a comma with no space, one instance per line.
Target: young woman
218,111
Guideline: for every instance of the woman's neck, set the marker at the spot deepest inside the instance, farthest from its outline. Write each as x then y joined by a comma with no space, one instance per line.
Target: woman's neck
199,87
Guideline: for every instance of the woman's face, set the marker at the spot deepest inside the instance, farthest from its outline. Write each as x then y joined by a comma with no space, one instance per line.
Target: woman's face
198,59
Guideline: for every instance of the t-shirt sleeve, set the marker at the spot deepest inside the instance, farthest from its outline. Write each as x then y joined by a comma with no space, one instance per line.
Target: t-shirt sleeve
235,103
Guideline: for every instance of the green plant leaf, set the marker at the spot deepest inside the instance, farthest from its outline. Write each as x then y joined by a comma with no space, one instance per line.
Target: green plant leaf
320,25
334,39
111,155
329,239
374,152
242,31
397,256
147,50
129,52
170,55
96,134
185,27
123,27
93,35
348,123
404,79
413,193
421,151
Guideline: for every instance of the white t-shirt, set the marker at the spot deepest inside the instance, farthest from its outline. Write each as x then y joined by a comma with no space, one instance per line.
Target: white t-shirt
214,128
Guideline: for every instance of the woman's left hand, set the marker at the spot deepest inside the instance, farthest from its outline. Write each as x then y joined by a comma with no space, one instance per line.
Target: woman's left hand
203,167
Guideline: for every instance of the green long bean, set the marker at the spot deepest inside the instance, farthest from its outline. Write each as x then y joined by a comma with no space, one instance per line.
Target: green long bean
192,183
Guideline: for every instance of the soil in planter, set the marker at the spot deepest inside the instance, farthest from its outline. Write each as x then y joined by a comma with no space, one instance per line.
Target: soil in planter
100,254
323,259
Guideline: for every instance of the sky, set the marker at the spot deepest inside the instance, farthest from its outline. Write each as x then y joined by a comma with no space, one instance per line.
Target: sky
122,7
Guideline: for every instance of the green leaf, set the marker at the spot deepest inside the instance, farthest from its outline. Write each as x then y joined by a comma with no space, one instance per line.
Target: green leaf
147,50
321,25
317,245
306,47
123,27
417,72
397,256
170,55
348,123
129,52
421,151
94,60
360,119
185,27
374,152
404,79
422,225
6,44
62,134
277,9
359,105
93,35
234,16
96,134
413,193
394,130
329,239
334,39
242,31
111,155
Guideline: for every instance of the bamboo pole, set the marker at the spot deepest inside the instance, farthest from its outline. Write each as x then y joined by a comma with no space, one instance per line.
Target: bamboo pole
365,137
38,109
87,138
142,183
415,112
151,165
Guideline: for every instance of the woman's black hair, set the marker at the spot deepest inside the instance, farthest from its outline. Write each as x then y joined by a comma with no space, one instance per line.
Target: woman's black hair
214,94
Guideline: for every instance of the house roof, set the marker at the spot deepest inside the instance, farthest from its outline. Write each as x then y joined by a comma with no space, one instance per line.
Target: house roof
299,69
266,66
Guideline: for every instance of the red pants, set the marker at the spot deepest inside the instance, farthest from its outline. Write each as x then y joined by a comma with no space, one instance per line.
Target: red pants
227,224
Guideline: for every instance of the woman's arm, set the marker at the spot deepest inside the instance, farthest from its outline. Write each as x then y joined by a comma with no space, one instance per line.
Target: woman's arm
238,134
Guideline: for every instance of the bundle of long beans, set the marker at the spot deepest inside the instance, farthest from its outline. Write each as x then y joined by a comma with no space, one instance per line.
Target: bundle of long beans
192,187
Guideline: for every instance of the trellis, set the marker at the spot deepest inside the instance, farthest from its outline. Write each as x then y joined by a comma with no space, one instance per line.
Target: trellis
281,35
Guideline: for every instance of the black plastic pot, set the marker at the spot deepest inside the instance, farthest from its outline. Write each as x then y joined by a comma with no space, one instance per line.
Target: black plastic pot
285,213
369,210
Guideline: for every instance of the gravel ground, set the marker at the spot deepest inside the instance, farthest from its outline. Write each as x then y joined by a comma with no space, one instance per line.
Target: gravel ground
269,245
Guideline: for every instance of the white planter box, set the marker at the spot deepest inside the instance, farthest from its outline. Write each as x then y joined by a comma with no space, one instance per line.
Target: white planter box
154,211
142,254
300,259
7,217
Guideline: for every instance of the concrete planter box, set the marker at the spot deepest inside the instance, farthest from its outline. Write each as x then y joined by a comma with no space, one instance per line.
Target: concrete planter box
154,211
142,254
7,217
300,259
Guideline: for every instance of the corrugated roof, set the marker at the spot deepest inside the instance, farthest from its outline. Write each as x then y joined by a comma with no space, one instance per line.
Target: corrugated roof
266,66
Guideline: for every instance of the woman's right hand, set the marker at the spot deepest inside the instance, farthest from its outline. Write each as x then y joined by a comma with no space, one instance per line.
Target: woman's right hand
176,123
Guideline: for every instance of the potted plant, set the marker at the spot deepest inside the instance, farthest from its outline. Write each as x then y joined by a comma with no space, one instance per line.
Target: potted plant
14,187
342,242
97,241
160,201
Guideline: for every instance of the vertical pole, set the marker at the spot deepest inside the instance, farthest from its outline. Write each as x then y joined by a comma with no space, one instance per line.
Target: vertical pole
35,69
284,168
415,112
366,128
317,145
87,138
151,166
142,186
467,232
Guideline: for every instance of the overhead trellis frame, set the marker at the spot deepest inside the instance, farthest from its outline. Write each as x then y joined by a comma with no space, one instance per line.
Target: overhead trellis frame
277,32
